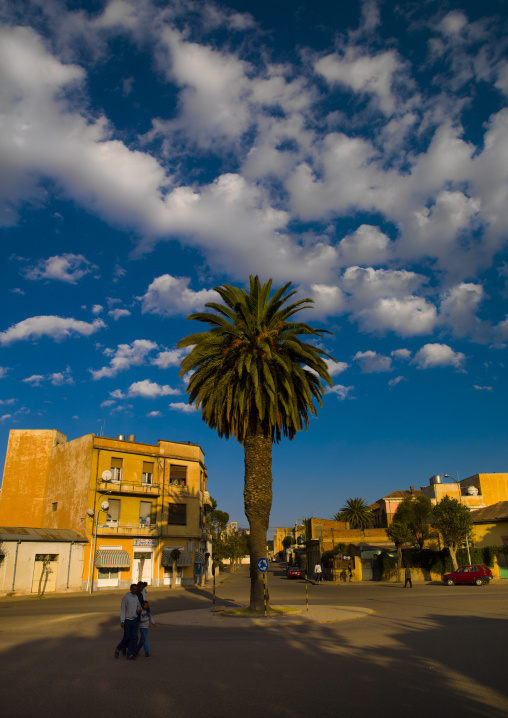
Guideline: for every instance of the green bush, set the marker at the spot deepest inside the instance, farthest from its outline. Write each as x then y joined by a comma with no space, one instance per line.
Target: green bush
387,565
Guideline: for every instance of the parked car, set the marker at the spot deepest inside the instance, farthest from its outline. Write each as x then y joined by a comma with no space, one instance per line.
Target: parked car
294,572
478,575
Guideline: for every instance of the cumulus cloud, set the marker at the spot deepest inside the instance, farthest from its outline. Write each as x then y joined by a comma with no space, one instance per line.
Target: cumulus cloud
118,313
184,408
170,357
153,414
68,268
372,75
150,390
56,378
431,356
482,388
367,246
371,362
3,371
57,328
403,354
340,391
407,317
396,380
125,356
169,296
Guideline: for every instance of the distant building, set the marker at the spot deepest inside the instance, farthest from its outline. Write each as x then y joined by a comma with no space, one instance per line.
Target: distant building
385,507
476,491
134,502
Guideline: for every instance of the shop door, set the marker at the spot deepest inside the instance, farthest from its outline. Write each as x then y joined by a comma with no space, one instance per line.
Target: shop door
168,575
45,569
367,569
142,566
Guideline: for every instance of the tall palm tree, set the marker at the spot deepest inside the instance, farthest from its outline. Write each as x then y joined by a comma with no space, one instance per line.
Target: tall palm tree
357,513
256,380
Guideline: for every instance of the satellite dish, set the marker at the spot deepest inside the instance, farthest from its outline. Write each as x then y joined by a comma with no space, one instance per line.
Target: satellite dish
105,505
106,475
90,512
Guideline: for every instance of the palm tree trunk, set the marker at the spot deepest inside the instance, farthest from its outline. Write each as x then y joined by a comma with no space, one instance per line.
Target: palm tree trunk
258,503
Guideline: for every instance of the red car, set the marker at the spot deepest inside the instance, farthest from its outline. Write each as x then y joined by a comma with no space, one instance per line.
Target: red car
478,575
294,572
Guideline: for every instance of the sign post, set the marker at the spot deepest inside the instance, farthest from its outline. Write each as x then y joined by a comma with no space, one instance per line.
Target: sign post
262,566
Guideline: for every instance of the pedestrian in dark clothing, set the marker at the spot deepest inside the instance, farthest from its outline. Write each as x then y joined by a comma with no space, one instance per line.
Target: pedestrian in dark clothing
350,573
129,621
407,576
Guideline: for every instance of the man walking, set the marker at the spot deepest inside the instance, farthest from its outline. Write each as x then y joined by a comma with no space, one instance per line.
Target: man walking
407,576
129,621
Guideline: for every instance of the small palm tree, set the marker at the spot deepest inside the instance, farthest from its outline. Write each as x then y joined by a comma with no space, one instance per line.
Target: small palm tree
357,513
256,380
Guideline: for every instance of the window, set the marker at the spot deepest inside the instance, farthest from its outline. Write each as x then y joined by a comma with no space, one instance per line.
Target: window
113,514
46,557
116,470
147,476
54,506
145,513
178,475
177,514
109,573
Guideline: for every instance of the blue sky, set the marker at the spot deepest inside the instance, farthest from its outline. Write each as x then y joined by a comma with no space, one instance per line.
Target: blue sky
152,150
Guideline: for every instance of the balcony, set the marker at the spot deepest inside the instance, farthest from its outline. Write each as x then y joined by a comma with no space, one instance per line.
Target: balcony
112,528
130,487
207,499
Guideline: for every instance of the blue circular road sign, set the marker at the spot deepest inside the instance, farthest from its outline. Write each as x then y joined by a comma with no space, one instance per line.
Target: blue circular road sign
262,564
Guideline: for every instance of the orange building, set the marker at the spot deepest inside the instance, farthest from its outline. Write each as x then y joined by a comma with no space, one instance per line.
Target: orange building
135,502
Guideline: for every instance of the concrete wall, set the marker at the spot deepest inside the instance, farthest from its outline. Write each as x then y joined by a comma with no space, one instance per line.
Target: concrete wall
65,580
495,534
24,487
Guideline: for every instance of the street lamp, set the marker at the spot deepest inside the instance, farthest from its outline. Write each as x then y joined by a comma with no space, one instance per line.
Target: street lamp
94,534
447,476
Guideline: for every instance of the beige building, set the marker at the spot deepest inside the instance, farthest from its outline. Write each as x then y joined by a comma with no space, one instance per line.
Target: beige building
134,502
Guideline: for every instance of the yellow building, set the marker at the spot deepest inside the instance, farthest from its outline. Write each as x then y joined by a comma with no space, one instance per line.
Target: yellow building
476,491
135,502
281,532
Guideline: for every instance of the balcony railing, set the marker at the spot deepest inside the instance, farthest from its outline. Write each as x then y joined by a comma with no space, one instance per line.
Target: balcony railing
138,529
130,487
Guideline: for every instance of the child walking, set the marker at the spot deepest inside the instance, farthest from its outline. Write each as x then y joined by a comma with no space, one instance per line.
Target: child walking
145,618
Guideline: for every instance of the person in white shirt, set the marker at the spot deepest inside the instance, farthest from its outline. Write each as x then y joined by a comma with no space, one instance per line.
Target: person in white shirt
129,621
319,573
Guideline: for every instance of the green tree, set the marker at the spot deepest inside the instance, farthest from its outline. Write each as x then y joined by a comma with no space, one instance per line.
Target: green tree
400,533
454,522
416,514
255,379
357,513
287,541
216,522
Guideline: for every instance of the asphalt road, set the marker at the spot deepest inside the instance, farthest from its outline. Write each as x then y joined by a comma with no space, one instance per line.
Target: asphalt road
428,651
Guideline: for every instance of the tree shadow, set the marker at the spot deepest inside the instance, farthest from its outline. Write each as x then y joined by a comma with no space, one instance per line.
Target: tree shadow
427,666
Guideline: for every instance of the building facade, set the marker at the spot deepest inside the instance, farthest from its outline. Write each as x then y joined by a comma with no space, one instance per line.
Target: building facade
134,502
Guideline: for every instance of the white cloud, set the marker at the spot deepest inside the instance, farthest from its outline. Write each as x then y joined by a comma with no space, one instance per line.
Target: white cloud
366,246
118,313
7,402
184,408
153,414
335,368
59,378
5,417
372,362
407,317
97,309
57,328
125,356
341,392
372,75
170,357
117,394
438,355
328,300
68,268
396,380
108,402
482,388
403,354
3,371
150,390
168,296
459,307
